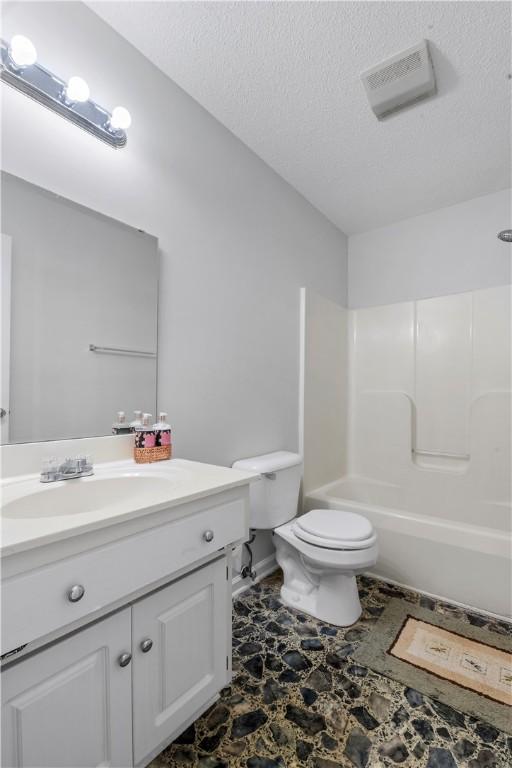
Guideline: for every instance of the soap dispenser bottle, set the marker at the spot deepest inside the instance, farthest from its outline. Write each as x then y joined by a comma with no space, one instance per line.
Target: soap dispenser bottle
137,421
144,450
121,426
163,437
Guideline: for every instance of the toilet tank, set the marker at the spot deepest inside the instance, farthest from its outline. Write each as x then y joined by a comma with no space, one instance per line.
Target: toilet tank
274,498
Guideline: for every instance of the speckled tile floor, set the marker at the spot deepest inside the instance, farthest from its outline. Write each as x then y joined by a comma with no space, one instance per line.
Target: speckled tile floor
297,699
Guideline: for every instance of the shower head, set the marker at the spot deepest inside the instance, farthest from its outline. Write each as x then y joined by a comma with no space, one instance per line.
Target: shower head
505,235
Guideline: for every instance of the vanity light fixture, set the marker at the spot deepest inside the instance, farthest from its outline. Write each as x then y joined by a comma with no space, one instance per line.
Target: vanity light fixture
20,69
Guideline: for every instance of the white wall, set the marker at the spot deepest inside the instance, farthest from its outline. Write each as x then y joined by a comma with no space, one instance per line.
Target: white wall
447,251
325,383
237,242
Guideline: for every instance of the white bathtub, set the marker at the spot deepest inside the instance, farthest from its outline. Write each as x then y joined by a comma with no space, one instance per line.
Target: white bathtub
460,562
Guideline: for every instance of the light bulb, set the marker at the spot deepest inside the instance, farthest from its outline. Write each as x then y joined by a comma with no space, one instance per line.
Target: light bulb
77,89
22,51
121,119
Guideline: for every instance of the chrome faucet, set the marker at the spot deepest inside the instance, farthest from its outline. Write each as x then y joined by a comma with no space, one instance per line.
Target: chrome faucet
69,469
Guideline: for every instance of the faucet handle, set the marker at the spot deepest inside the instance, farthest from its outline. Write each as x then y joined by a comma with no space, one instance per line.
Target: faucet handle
81,463
49,469
84,463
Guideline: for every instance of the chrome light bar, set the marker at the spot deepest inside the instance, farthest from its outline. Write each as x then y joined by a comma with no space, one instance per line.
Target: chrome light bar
48,89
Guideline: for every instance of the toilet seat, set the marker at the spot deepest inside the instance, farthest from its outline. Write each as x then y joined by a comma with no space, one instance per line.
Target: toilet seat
335,529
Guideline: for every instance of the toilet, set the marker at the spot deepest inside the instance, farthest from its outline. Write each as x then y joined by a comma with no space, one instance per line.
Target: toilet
320,552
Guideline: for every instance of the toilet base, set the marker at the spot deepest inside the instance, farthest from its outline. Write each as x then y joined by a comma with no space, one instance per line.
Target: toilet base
329,594
336,602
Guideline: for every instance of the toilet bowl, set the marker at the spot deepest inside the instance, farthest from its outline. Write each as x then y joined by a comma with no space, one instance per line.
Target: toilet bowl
319,552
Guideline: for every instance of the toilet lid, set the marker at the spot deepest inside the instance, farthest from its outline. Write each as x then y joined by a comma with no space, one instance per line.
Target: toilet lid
335,528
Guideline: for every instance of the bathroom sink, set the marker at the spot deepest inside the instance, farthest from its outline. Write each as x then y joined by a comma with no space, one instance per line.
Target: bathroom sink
86,495
35,513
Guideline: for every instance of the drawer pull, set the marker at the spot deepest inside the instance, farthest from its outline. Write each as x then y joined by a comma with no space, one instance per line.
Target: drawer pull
146,645
124,659
208,536
76,593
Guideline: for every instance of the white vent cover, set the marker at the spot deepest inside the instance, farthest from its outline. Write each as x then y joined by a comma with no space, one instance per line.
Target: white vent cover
400,80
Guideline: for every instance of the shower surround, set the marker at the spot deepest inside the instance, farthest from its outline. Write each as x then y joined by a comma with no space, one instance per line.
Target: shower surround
426,436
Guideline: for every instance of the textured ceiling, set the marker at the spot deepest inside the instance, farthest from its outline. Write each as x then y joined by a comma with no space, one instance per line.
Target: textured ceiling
284,78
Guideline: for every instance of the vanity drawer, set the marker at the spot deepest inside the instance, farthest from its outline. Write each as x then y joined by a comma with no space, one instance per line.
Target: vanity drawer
40,601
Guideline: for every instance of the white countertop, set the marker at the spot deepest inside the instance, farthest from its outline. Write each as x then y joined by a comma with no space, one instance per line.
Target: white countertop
35,514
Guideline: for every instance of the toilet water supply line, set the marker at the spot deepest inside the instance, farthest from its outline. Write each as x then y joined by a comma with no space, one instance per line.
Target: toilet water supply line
248,570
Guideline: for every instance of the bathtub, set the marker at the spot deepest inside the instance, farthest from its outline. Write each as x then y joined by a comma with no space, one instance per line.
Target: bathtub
443,556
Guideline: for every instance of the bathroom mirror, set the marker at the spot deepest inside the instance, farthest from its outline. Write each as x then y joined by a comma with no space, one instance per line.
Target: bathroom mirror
79,317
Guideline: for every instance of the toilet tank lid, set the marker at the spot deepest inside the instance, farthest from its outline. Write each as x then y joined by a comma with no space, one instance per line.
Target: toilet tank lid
269,462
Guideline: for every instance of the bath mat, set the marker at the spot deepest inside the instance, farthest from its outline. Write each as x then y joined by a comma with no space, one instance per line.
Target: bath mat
465,667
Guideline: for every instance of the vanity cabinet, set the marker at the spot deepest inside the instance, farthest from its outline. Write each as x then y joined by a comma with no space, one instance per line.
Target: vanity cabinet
40,601
181,655
154,664
70,704
116,623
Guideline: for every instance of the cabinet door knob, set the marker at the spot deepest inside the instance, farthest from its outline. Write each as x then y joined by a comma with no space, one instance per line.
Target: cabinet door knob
76,593
146,645
208,536
124,659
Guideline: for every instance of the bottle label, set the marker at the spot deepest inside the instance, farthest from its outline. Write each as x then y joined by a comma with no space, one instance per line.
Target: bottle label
145,439
123,430
163,437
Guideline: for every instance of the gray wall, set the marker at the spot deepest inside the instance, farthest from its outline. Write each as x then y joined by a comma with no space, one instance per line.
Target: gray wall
450,250
237,242
78,277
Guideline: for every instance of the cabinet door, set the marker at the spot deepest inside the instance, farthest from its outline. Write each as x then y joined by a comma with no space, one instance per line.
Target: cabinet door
70,705
187,623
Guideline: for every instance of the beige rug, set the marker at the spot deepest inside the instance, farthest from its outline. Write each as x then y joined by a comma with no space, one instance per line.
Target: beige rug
466,667
471,664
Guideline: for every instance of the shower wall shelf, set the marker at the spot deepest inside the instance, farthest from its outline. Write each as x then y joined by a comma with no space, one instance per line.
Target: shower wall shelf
442,454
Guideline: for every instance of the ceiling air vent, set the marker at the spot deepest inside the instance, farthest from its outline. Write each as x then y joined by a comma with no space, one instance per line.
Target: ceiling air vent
400,80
